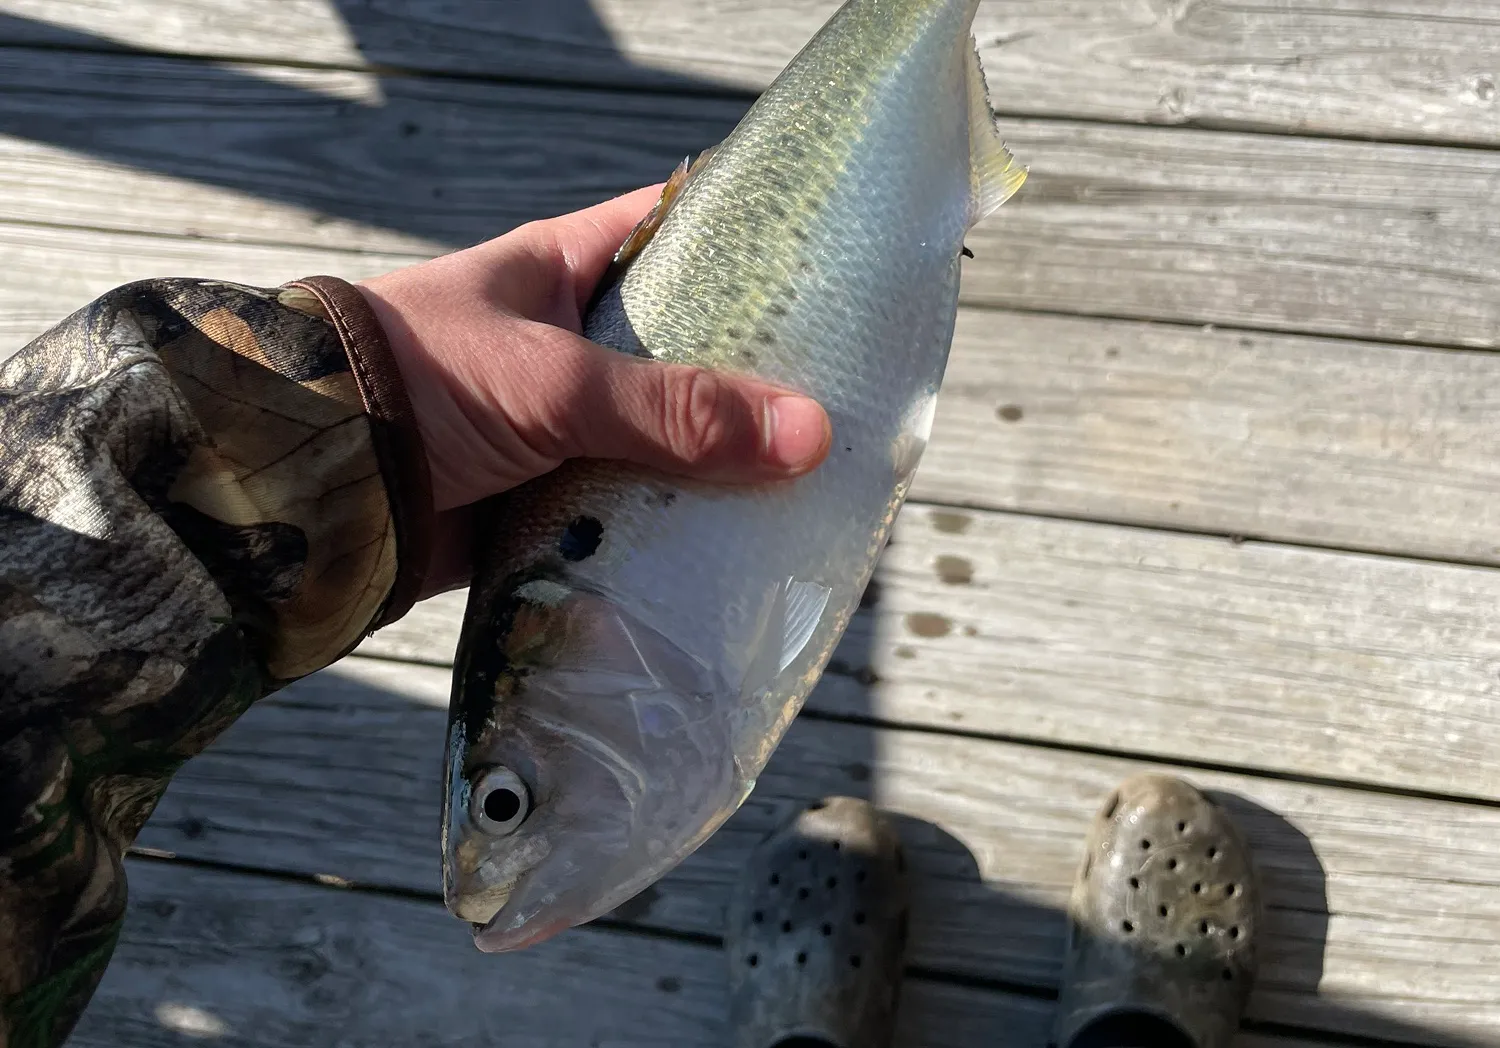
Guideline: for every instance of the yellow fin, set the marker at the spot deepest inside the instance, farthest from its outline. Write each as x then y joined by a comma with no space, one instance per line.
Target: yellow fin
646,228
996,174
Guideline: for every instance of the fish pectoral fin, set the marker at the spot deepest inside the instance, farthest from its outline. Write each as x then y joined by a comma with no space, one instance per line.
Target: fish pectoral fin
996,174
786,627
805,604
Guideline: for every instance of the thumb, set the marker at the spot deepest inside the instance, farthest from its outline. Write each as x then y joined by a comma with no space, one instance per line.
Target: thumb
694,422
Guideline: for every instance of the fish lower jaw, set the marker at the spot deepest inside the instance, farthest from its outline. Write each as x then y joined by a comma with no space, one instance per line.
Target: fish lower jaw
507,940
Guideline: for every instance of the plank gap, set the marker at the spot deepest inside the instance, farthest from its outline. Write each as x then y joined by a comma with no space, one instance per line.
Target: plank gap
1234,538
1329,1037
1179,324
402,257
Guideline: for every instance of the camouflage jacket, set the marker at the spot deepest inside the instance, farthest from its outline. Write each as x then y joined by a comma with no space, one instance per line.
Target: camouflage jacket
206,492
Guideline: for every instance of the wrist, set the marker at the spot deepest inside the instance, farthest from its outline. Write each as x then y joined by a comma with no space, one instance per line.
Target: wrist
394,432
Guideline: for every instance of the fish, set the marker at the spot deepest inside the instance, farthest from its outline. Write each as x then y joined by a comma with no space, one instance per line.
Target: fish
635,645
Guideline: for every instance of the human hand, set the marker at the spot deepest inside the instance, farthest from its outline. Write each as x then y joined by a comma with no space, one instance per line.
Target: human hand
505,388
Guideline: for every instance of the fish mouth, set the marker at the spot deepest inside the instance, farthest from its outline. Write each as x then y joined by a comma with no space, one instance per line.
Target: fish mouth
535,911
529,917
492,939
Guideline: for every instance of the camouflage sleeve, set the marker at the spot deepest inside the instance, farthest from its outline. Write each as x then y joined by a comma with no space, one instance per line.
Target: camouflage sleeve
206,491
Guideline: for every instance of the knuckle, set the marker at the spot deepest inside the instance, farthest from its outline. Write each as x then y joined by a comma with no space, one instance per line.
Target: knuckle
697,422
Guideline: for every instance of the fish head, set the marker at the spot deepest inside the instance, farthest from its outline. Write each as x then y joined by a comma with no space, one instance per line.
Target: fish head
587,755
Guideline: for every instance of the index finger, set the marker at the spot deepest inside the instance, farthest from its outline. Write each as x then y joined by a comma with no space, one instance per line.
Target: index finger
588,239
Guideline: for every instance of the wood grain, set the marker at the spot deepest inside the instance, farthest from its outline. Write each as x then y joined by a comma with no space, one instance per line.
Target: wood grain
339,776
213,957
1286,660
1337,238
1416,69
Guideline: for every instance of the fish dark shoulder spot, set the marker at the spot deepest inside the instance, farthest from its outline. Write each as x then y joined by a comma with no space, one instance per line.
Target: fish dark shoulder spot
580,540
765,337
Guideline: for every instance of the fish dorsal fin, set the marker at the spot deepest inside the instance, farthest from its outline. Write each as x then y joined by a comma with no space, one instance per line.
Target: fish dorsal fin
646,228
996,174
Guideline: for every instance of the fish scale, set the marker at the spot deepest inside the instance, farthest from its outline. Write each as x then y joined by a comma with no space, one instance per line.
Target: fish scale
636,645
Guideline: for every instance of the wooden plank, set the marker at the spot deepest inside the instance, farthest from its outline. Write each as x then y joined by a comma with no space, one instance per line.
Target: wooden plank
1330,443
1383,916
1279,659
320,157
210,956
1326,442
1338,238
52,271
239,961
1418,69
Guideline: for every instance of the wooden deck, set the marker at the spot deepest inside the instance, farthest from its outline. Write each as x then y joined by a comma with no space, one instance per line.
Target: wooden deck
1215,487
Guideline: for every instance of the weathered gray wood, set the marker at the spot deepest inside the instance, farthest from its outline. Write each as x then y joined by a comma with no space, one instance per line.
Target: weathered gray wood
51,271
340,776
1416,69
321,157
1326,442
1259,231
1331,443
1286,660
210,957
238,961
1255,231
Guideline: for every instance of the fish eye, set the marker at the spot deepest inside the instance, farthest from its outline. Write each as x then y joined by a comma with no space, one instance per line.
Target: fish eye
499,801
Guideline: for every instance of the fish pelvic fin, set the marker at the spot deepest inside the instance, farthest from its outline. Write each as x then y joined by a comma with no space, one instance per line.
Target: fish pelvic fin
995,172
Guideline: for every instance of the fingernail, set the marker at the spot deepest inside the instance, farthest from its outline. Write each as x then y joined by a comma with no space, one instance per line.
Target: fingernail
796,432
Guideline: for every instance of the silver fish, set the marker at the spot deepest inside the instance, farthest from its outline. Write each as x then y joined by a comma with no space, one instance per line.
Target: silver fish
635,646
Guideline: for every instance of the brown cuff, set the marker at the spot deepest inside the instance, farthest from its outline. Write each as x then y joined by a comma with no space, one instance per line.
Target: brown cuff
393,428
